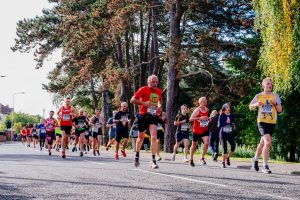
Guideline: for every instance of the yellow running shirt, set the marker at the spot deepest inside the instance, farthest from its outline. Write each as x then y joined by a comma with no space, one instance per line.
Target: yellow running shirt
267,112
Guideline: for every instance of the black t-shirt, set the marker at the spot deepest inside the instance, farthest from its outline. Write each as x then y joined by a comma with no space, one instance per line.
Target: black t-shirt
183,127
81,121
124,117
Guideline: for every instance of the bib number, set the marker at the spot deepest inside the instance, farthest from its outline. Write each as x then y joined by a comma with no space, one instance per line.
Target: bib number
152,110
203,123
66,117
86,133
96,127
227,129
266,109
81,124
184,127
43,131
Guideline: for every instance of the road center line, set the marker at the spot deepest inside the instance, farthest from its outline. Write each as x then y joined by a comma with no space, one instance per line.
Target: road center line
182,178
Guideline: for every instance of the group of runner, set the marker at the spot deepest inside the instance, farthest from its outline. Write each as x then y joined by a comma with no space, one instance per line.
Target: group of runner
209,129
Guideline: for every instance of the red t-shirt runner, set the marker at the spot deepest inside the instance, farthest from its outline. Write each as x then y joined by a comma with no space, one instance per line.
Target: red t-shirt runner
201,126
66,117
148,94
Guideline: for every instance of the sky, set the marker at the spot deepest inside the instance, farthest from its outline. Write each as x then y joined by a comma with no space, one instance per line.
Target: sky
19,68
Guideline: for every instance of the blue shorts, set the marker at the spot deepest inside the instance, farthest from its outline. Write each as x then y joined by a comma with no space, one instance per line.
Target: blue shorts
112,134
181,135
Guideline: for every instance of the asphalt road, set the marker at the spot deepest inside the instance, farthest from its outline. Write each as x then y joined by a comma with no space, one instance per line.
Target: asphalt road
26,173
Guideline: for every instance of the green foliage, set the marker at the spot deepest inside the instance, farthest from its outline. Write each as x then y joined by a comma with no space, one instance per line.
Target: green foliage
247,132
20,119
278,21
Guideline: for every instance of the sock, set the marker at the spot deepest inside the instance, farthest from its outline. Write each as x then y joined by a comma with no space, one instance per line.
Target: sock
153,157
265,162
137,154
256,158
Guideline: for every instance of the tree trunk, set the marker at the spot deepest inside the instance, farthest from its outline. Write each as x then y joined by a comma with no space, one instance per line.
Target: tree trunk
105,111
121,65
176,11
154,45
293,153
94,95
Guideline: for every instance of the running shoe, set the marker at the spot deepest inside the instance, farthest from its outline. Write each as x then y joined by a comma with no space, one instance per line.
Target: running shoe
202,161
117,156
88,147
185,159
192,163
49,153
98,152
41,148
228,161
123,153
74,149
63,155
223,165
153,164
94,153
215,157
266,169
85,152
136,162
255,165
159,158
81,154
173,157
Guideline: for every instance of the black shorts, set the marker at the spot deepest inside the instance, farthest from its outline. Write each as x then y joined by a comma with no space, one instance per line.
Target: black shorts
181,136
24,136
78,132
95,134
145,120
122,134
197,137
265,128
35,136
160,135
67,129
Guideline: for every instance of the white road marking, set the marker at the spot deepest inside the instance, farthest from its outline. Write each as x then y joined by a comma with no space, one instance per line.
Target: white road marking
182,178
95,162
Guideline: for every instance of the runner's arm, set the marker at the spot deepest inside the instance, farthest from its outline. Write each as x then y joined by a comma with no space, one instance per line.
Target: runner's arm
193,116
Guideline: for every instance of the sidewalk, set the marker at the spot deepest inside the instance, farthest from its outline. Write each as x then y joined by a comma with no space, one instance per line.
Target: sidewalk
277,168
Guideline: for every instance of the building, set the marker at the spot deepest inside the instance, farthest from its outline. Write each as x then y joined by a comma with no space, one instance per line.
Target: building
4,110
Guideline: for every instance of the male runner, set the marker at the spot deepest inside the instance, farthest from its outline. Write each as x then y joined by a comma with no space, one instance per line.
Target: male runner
121,119
80,126
112,130
149,99
269,104
200,129
96,123
66,114
182,132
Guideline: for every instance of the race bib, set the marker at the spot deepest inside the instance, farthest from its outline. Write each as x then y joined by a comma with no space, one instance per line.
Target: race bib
266,109
227,129
50,125
96,127
203,123
152,110
86,132
124,119
81,124
43,130
34,132
184,127
66,117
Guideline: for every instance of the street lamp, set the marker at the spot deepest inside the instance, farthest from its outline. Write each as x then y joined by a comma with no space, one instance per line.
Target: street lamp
12,118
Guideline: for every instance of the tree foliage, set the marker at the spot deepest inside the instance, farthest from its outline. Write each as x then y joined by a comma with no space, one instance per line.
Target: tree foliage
279,24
